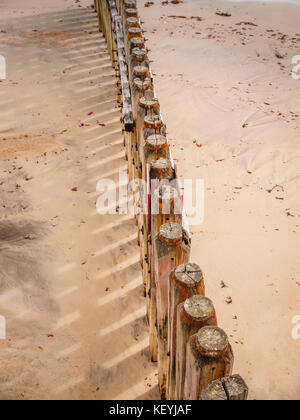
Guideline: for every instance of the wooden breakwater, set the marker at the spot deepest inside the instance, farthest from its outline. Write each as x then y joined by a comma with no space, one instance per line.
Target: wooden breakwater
193,354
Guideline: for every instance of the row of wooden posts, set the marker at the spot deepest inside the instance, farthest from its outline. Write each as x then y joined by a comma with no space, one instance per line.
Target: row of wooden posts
194,356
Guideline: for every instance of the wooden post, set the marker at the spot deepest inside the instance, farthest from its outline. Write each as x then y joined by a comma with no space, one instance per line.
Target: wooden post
156,221
170,250
134,32
144,107
140,88
139,55
161,169
127,116
214,392
209,356
185,280
153,124
141,72
131,12
131,22
130,4
137,42
231,388
169,209
193,314
136,96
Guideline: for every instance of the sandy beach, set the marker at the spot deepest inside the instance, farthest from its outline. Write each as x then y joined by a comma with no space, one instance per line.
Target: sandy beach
70,280
232,113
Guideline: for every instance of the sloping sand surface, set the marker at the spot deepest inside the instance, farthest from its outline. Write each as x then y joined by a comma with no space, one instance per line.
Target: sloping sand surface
70,280
232,111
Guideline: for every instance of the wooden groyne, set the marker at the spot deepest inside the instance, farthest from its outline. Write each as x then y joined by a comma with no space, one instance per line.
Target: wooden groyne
193,354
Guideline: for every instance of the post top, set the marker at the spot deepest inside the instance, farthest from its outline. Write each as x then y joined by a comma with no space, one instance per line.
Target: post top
142,85
211,341
235,387
132,20
156,141
161,169
214,391
130,10
130,4
135,30
153,121
139,51
189,274
137,41
170,234
140,71
148,103
198,308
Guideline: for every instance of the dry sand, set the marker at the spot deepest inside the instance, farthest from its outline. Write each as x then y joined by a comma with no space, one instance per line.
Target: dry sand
232,112
70,280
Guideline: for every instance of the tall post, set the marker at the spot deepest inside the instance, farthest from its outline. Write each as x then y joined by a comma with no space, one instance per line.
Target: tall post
157,219
209,357
145,107
170,250
185,280
231,388
196,312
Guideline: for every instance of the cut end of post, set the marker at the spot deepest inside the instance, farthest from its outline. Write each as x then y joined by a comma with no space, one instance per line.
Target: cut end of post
153,103
132,21
130,4
170,234
156,142
198,308
153,122
135,32
235,387
212,341
131,12
139,54
214,392
189,274
229,388
161,169
141,71
137,42
142,85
